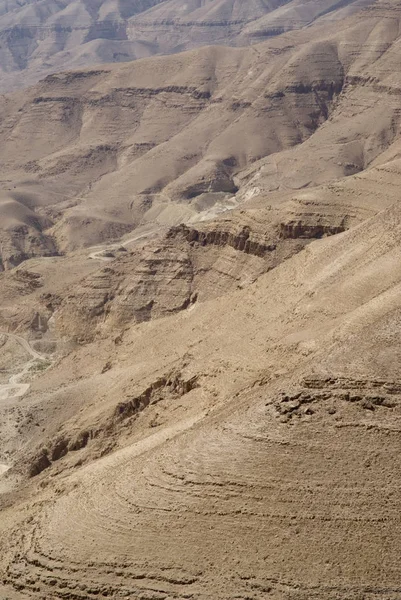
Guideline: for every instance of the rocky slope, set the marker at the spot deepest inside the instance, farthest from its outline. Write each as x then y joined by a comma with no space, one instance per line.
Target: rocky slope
270,413
98,153
45,36
206,403
173,26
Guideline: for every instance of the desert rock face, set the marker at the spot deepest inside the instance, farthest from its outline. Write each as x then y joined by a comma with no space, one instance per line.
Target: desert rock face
200,382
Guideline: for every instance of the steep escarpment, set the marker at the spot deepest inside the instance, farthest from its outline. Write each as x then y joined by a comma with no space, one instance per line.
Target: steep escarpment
190,264
110,427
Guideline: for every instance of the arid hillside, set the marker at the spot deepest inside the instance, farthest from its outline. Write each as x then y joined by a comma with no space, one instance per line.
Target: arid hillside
245,443
46,36
91,155
200,380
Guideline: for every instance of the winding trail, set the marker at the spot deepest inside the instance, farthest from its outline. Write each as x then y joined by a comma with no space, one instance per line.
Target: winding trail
99,254
15,389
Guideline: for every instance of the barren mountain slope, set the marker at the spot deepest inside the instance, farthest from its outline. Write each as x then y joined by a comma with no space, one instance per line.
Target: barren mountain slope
200,381
40,37
175,25
97,153
254,443
45,36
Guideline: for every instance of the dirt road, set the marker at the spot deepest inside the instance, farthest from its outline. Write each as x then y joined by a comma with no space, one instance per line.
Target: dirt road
101,251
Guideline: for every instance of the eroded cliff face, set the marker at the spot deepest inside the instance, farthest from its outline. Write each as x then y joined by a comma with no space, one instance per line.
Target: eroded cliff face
20,243
188,265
